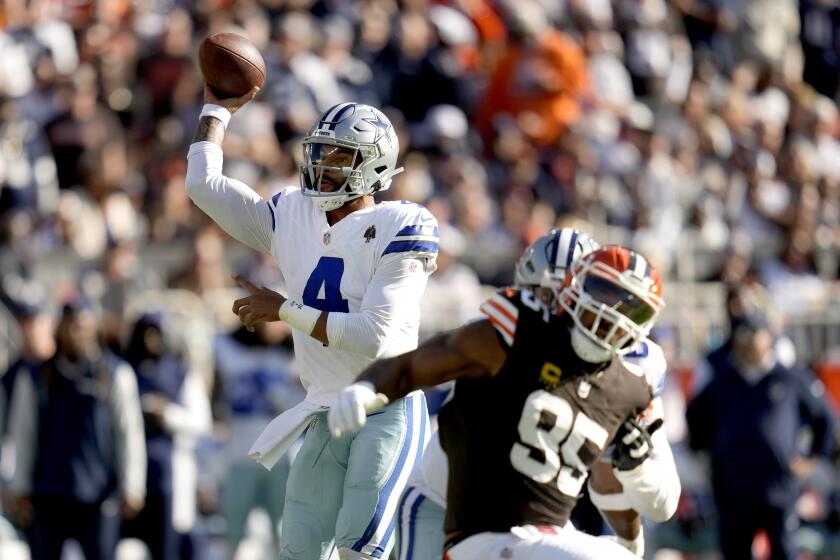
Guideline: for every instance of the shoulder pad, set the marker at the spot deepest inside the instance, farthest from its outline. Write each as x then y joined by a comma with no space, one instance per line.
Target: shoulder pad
650,359
502,313
284,198
416,231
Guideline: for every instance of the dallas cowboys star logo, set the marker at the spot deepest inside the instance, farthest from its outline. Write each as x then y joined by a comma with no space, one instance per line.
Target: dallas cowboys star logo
380,126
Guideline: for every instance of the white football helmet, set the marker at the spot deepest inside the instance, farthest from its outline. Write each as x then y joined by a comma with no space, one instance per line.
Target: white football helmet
352,151
544,262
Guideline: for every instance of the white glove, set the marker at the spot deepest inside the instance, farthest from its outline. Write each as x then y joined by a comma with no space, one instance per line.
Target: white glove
636,546
354,402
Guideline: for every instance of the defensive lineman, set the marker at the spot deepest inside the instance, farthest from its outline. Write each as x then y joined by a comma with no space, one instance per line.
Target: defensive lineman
354,271
655,492
538,397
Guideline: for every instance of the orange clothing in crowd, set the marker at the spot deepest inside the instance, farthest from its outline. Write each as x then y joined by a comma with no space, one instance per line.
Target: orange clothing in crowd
548,79
491,27
829,373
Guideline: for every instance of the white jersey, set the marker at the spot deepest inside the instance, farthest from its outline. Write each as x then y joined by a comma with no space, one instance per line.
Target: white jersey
652,489
332,268
430,475
649,357
369,270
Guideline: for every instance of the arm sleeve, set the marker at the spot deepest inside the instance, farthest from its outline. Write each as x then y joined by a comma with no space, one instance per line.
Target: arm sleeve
232,204
24,431
192,418
129,434
393,294
653,488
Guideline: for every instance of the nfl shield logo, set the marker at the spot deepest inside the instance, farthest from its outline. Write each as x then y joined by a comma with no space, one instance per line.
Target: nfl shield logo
327,238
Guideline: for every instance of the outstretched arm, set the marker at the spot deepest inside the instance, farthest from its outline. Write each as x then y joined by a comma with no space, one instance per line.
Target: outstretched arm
232,204
474,350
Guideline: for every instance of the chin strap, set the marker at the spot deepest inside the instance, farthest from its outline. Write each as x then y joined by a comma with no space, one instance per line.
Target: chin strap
586,349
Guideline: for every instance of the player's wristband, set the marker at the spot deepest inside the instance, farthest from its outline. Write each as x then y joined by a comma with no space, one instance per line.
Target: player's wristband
609,502
217,112
300,316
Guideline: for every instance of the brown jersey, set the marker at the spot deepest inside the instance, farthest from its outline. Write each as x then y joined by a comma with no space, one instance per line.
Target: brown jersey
520,444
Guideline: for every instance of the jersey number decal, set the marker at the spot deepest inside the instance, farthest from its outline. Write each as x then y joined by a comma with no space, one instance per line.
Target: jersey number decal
327,273
536,432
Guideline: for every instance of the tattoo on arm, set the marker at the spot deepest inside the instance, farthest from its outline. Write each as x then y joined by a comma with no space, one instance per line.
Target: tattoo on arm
209,129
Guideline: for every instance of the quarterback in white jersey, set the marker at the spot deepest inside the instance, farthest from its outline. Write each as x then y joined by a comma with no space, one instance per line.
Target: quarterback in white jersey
542,268
354,272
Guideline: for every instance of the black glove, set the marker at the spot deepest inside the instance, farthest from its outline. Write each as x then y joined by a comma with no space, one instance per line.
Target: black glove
632,444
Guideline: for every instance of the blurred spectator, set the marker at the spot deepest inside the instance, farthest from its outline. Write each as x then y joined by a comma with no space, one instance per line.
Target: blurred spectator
820,33
176,411
355,77
768,32
208,269
300,84
37,345
749,418
422,72
709,25
453,293
77,428
257,383
31,180
541,80
163,68
86,135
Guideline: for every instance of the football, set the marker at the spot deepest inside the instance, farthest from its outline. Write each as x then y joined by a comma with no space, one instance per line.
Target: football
231,64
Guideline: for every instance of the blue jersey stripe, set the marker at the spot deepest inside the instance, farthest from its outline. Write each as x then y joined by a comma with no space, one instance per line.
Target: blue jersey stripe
418,230
413,245
385,493
641,351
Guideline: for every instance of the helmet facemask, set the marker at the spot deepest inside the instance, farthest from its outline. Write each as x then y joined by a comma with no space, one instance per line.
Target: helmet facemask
333,173
610,317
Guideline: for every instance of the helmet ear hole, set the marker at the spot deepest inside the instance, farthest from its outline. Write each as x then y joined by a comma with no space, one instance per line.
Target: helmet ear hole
381,168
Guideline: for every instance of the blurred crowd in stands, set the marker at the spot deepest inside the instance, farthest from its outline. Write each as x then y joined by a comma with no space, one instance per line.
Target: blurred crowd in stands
703,133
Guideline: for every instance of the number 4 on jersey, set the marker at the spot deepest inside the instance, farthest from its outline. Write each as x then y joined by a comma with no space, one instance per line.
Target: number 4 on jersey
327,273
